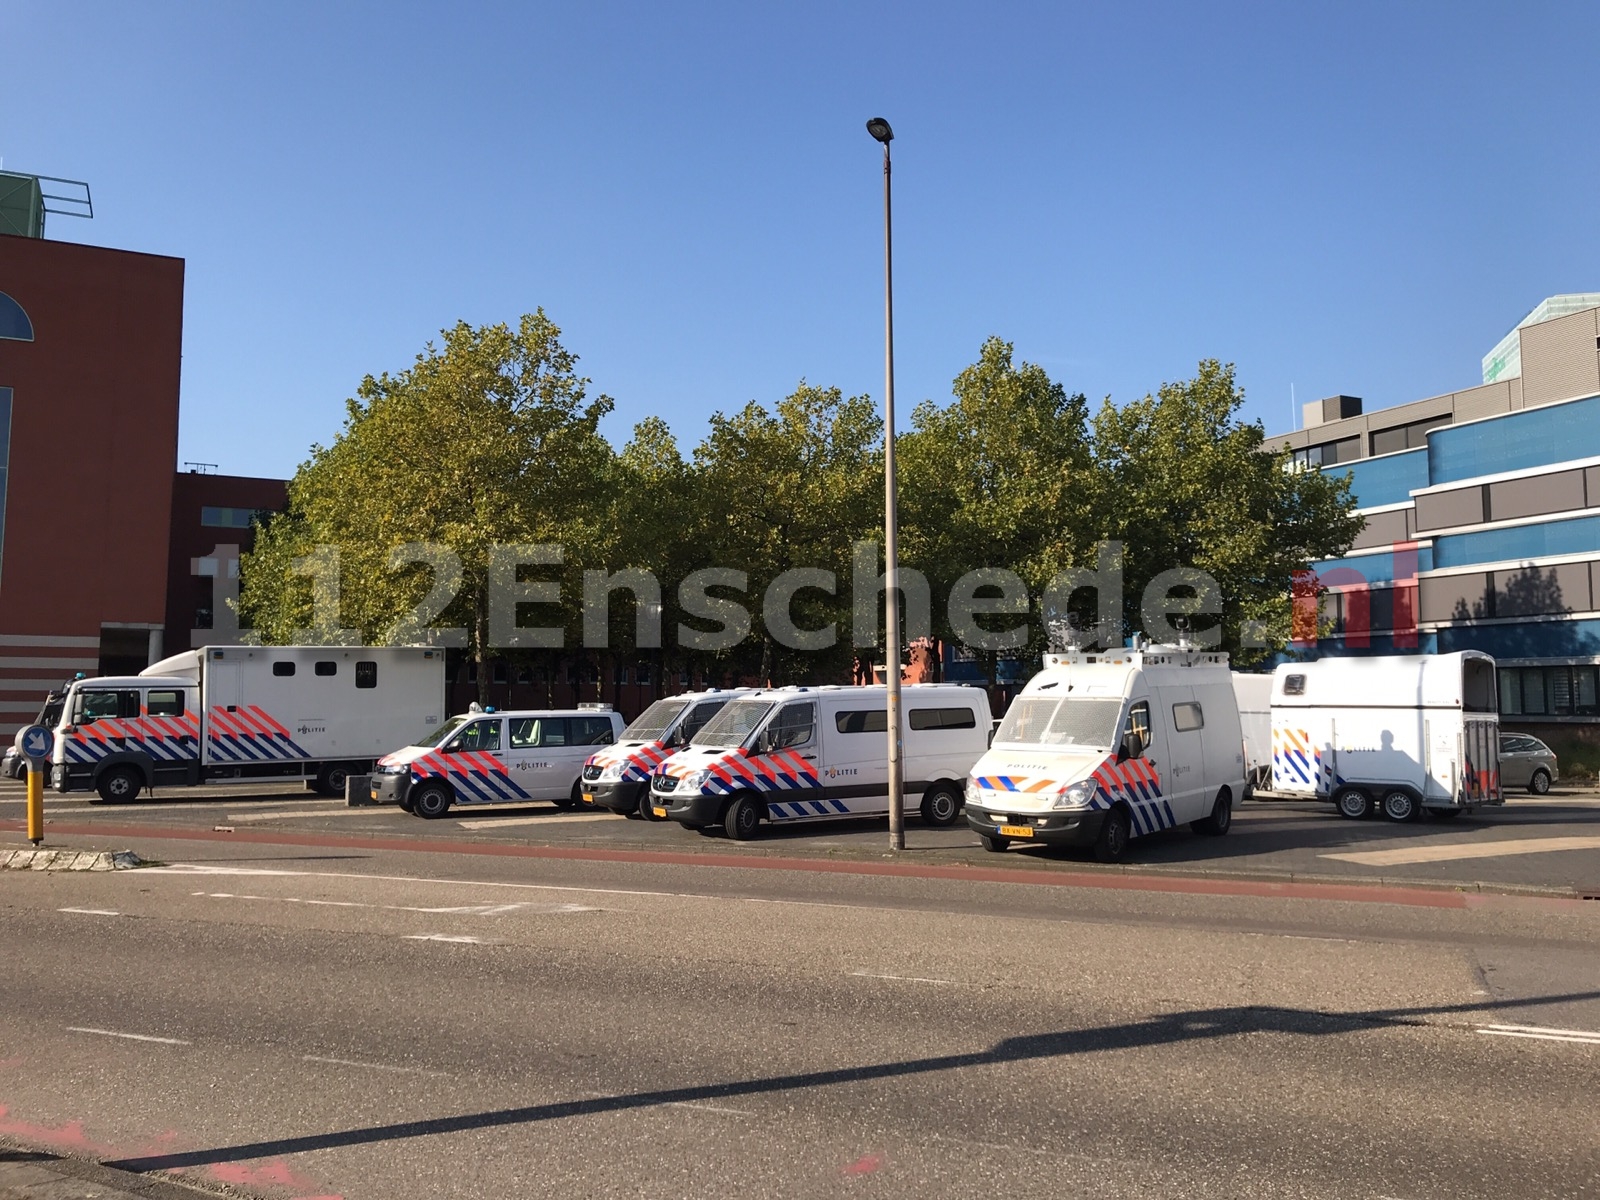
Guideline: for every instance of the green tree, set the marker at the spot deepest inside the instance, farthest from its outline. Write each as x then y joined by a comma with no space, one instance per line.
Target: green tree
785,489
1182,481
487,439
999,477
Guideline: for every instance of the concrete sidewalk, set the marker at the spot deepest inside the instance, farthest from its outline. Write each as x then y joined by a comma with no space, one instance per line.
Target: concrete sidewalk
35,1175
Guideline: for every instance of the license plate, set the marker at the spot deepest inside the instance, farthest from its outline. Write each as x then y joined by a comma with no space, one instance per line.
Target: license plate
588,797
1016,831
374,793
658,810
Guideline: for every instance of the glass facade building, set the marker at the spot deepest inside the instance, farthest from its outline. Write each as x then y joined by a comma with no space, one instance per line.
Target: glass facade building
1483,521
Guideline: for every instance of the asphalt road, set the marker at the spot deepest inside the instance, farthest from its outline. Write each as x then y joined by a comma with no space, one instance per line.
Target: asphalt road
337,1021
1547,843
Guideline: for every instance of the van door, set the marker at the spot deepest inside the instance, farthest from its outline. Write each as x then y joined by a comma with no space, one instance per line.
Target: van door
477,762
1184,718
784,763
855,758
536,757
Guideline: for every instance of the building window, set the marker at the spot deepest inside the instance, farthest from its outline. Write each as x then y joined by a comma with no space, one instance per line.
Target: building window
1549,691
1405,437
499,675
1328,453
214,517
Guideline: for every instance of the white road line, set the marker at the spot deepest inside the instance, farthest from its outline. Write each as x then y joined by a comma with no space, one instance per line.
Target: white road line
464,910
132,1037
1456,851
464,939
92,912
551,818
359,811
371,1066
711,1108
1584,1036
912,979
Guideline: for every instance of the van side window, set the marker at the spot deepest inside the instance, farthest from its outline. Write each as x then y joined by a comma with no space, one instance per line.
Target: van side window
283,668
1294,685
793,726
523,730
95,706
1139,721
1187,717
590,731
866,720
943,718
366,674
327,667
478,735
164,704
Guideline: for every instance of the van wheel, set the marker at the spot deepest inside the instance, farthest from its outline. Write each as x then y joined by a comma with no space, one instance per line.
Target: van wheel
431,800
1540,783
405,802
574,799
1220,820
120,785
647,805
742,821
1112,843
1400,806
331,779
1353,803
940,805
995,844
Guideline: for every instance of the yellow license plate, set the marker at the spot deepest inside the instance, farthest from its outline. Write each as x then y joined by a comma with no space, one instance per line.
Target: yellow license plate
1016,831
588,797
658,810
374,793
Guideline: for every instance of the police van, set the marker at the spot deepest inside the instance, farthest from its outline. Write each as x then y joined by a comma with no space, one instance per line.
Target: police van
1100,748
618,777
789,755
489,757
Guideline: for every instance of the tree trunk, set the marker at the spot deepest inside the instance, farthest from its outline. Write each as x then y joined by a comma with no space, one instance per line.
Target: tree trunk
480,641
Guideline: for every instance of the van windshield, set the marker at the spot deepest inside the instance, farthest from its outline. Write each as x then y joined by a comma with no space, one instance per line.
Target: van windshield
654,721
733,726
1061,721
439,734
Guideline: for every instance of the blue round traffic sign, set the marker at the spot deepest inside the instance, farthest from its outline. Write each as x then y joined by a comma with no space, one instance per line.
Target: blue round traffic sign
36,742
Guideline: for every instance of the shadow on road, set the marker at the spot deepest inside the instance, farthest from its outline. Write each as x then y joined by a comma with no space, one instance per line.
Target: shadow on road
1157,1031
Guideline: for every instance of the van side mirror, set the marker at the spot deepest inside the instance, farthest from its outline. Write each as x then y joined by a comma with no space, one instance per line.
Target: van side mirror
1132,746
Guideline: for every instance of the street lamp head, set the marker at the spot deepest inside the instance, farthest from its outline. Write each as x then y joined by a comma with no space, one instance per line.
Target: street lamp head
879,128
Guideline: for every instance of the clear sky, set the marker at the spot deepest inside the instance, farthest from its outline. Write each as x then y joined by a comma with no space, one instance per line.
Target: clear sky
1356,198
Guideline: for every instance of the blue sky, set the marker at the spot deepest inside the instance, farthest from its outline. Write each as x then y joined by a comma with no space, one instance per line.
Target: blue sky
1356,197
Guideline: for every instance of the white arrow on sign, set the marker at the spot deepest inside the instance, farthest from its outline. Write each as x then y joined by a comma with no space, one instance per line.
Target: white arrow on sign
36,742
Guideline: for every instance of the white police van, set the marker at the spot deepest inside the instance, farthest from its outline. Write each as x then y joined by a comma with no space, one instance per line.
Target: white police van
489,757
618,777
788,755
1103,747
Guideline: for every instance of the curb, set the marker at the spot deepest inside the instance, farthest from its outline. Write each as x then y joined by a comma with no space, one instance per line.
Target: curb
69,860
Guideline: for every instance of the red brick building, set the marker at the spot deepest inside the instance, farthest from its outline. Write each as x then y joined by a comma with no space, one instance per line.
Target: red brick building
97,528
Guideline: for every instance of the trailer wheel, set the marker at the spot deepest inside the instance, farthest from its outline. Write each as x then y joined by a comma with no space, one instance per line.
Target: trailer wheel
431,800
331,779
1220,820
995,844
1539,785
941,805
1112,843
1400,806
742,821
120,785
1353,803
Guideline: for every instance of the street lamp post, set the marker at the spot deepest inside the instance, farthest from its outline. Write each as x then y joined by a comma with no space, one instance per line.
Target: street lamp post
879,129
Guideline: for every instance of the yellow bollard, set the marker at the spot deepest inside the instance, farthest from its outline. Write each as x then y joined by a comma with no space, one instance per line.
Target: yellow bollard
35,803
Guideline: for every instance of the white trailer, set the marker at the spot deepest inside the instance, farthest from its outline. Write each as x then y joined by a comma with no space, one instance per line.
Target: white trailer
247,714
1398,734
1253,693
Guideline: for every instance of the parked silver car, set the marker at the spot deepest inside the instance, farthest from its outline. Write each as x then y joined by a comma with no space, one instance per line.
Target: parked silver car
1526,762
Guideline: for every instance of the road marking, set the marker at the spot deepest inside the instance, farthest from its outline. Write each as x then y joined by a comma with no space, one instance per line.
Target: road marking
371,1066
359,811
465,910
552,818
912,979
1583,1036
711,1108
132,1037
462,938
92,912
1455,851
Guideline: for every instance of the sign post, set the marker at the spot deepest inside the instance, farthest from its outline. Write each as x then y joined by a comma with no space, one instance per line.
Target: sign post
36,743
